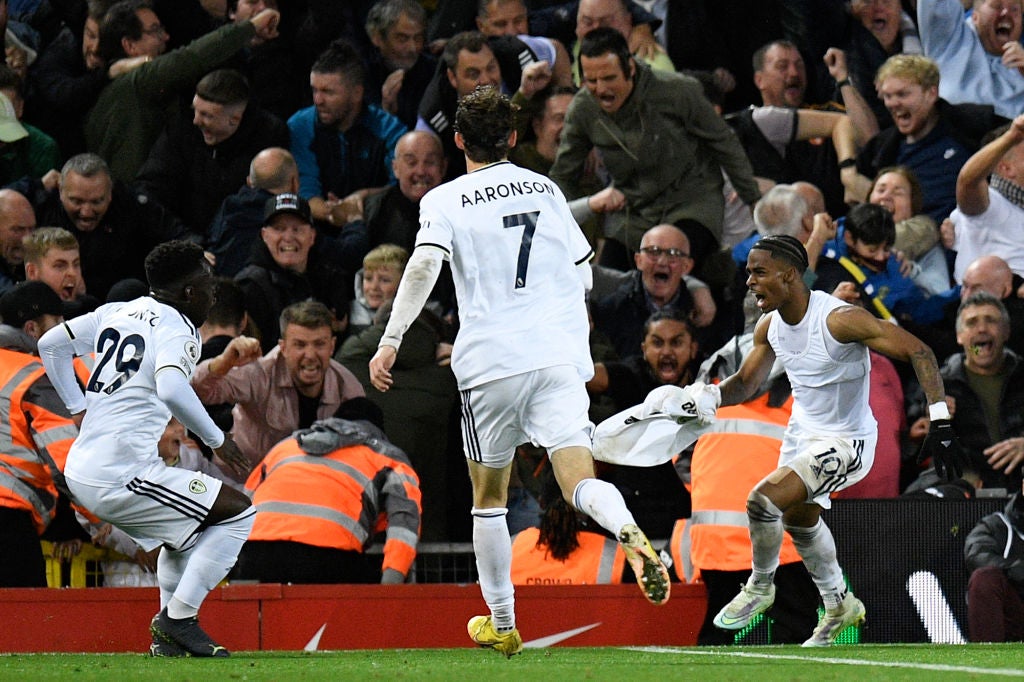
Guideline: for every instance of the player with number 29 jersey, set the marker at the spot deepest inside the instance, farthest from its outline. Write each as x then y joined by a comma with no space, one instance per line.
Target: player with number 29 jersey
133,342
522,305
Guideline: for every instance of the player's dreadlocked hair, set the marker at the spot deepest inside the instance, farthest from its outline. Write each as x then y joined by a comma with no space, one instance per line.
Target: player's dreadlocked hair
486,118
786,248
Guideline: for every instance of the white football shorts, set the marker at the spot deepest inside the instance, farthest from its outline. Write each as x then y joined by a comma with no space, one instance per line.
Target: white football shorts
828,464
546,407
162,505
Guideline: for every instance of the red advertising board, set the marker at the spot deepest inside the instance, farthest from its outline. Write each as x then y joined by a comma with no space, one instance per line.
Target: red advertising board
312,617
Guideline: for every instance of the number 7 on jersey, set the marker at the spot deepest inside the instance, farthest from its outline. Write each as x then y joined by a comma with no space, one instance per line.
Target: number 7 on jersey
528,221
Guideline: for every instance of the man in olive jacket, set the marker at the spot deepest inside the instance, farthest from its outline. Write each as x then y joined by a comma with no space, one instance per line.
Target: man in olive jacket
662,143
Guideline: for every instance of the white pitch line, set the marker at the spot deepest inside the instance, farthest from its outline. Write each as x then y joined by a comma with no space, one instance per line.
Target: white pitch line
1004,672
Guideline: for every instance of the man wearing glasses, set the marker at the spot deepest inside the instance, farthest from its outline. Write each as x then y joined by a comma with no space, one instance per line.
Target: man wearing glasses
656,284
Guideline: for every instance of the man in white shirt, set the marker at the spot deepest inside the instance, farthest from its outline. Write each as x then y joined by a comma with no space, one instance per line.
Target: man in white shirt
989,215
520,264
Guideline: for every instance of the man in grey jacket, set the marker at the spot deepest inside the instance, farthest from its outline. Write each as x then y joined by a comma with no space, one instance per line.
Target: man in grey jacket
661,142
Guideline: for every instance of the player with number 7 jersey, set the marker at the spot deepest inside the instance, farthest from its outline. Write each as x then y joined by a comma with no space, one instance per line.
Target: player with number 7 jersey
514,249
521,270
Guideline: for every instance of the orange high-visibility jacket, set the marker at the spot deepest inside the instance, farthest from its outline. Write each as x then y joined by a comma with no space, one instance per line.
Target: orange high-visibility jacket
337,500
35,437
742,448
598,560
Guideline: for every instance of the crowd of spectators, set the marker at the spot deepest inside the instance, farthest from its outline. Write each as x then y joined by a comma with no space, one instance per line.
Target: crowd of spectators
294,141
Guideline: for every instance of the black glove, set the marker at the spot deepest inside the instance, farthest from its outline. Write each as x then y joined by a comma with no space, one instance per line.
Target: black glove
941,444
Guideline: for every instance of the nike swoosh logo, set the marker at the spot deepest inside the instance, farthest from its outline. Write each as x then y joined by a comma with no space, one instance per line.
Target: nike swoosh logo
727,621
314,643
558,637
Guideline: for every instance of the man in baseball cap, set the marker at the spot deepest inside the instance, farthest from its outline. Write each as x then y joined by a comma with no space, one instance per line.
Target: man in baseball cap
11,129
32,307
286,203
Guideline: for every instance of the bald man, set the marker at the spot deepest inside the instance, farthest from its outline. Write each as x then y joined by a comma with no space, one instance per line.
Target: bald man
990,274
392,217
17,219
238,222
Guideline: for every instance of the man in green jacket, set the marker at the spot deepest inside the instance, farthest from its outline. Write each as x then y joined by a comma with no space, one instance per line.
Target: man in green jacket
661,142
132,109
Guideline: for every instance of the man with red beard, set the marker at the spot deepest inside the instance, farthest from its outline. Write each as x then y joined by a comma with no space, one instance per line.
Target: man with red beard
287,389
931,136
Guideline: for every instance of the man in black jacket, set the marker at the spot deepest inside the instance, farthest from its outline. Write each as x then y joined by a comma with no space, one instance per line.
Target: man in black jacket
288,266
115,225
198,161
994,552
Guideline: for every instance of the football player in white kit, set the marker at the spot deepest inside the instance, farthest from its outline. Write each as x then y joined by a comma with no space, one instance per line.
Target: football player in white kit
829,443
520,264
146,350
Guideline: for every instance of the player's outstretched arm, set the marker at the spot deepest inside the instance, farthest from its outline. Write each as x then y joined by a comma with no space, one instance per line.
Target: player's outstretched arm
941,446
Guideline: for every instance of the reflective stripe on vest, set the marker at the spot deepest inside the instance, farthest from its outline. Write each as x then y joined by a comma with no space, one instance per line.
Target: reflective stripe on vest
316,512
20,463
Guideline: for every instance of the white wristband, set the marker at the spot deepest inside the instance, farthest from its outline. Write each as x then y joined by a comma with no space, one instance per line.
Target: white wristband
939,410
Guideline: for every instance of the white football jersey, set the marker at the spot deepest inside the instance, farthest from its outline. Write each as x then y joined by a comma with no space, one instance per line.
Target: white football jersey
830,380
124,418
514,247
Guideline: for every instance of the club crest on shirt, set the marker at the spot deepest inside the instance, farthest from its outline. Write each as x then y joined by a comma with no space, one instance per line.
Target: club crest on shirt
196,486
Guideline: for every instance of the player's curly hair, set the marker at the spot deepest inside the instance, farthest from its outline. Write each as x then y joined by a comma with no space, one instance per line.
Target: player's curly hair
486,118
171,263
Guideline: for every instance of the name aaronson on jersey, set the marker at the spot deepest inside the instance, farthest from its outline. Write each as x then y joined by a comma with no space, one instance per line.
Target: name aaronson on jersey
505,190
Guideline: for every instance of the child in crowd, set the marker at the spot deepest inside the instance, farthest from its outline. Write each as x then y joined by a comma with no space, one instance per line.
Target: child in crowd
376,284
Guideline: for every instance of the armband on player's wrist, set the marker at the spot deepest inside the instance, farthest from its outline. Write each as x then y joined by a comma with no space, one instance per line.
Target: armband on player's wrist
939,410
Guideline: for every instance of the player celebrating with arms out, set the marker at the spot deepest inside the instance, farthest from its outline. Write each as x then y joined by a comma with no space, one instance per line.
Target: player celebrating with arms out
520,264
829,443
146,350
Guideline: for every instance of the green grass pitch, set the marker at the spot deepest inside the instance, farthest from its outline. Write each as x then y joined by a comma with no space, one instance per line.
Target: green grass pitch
874,663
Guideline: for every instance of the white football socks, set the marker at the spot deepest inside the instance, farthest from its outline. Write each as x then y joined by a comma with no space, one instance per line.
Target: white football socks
208,561
817,548
493,548
602,502
765,521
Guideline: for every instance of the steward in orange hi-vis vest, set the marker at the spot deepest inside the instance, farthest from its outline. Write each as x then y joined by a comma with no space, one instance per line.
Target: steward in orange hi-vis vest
34,445
598,560
332,486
